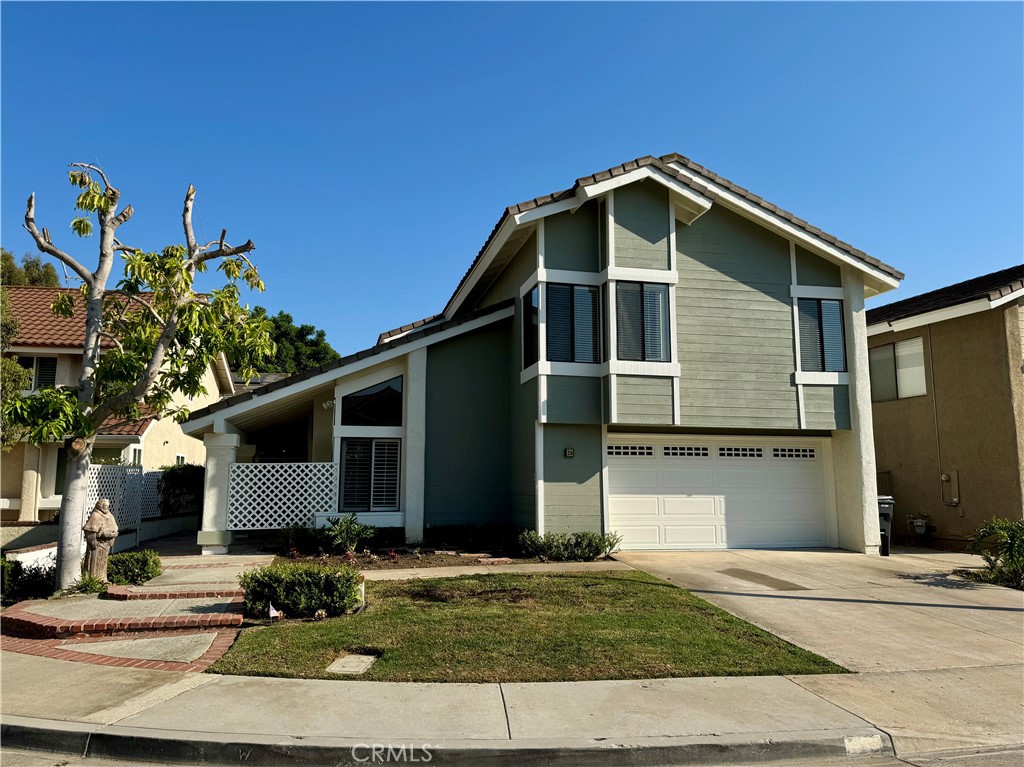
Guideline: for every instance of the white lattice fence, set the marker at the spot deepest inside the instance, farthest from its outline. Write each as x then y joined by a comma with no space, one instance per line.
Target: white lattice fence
269,496
151,493
122,486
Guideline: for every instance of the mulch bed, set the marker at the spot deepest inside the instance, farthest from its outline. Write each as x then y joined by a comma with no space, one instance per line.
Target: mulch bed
407,559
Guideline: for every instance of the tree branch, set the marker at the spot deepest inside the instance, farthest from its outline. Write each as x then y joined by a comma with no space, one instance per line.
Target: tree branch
144,302
186,221
122,217
95,169
225,252
42,240
113,340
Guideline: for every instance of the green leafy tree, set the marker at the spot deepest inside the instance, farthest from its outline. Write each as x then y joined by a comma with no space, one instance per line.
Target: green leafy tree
158,336
299,347
13,377
31,272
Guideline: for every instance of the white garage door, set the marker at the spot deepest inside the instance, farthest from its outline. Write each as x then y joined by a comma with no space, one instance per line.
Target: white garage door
718,493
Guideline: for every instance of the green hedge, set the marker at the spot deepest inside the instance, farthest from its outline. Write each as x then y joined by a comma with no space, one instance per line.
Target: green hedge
181,490
300,589
569,547
20,582
133,567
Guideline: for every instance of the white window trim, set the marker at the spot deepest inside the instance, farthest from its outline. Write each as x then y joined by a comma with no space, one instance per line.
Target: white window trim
821,378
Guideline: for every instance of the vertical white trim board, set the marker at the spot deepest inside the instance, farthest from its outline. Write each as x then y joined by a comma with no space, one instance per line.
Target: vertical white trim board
538,449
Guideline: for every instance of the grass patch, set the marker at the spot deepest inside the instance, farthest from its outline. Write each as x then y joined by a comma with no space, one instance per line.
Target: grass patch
524,628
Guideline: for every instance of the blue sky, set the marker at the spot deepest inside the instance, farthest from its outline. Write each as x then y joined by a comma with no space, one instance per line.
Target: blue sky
368,150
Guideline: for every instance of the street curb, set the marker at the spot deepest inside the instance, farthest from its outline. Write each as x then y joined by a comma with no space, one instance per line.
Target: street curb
144,744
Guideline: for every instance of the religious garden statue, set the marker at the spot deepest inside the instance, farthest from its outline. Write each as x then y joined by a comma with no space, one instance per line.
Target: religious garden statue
100,531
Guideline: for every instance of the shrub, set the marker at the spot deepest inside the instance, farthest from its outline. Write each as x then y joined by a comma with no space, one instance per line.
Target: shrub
133,567
1001,544
181,490
569,547
87,584
32,582
300,589
306,540
347,533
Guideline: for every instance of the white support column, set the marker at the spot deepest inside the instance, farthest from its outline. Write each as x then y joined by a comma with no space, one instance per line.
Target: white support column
221,450
415,444
853,449
29,511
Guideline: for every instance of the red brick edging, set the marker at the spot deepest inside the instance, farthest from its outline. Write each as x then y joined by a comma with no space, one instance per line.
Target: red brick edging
19,620
48,648
121,593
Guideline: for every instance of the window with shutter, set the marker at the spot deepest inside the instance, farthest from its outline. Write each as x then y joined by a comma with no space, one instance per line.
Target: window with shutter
46,372
370,474
822,345
384,496
642,322
573,323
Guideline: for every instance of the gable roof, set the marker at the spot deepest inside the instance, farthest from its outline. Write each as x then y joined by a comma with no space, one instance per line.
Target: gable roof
990,287
37,326
699,180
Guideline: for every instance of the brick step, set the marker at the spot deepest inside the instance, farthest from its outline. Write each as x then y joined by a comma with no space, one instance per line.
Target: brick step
122,593
19,621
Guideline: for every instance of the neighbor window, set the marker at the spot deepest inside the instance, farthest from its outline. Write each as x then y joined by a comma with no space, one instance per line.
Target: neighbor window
642,317
531,327
573,323
135,456
378,405
370,474
43,370
179,460
822,349
897,370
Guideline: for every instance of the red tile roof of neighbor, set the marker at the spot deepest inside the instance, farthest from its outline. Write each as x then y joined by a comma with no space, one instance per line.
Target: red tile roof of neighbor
36,324
115,425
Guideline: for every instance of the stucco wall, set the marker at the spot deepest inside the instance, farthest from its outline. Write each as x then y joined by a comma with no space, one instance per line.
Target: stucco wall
965,426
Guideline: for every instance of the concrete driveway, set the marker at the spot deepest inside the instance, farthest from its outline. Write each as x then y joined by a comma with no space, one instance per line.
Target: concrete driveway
941,659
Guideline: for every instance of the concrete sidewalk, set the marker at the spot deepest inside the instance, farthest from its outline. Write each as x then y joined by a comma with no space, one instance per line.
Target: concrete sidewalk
207,718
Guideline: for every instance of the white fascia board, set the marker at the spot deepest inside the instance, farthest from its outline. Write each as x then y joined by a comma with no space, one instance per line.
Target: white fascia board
44,350
504,232
220,417
222,371
543,211
884,280
690,196
940,315
117,440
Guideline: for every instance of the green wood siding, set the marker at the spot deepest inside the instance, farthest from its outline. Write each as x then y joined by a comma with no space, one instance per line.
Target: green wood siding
642,226
516,272
827,407
643,400
572,486
815,270
571,240
573,399
735,325
468,466
522,460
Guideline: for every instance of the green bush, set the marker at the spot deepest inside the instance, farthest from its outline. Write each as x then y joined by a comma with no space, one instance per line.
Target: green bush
299,589
21,582
347,533
1001,544
87,584
569,547
300,539
181,490
133,567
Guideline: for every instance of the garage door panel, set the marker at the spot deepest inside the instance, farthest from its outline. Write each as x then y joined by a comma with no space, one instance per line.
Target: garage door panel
735,492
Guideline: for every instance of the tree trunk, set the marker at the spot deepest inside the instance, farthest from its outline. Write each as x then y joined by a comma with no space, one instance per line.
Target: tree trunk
72,515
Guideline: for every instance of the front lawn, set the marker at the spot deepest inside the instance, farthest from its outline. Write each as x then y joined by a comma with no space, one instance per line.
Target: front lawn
504,627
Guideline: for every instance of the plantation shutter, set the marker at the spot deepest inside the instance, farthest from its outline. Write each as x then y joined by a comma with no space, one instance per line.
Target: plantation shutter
385,474
46,372
629,320
832,336
810,335
355,474
586,330
656,333
559,323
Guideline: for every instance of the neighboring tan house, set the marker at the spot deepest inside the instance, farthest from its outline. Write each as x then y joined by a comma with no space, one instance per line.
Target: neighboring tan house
654,351
947,380
51,347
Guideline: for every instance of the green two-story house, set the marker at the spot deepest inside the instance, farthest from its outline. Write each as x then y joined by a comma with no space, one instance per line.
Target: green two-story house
654,351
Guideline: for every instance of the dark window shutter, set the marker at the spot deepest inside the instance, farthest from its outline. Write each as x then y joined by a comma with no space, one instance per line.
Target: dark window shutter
832,336
811,356
586,324
559,323
46,372
656,330
356,464
629,321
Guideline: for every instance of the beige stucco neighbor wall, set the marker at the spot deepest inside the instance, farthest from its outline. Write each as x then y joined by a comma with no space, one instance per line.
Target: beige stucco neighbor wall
969,425
164,439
